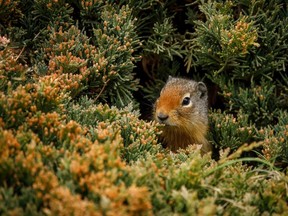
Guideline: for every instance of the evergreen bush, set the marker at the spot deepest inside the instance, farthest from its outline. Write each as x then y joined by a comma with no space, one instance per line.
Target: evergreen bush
74,75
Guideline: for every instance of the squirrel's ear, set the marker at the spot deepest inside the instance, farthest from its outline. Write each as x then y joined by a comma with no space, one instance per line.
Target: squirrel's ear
202,89
169,78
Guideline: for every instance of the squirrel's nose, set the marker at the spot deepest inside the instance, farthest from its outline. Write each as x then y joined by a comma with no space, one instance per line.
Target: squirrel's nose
162,117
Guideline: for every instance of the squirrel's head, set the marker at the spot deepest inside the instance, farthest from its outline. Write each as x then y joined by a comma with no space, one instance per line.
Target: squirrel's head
182,103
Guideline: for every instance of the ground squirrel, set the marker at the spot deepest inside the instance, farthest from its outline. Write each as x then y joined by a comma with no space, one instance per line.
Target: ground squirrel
183,108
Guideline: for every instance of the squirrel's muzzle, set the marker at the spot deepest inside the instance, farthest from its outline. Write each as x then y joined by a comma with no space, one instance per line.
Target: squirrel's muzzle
162,117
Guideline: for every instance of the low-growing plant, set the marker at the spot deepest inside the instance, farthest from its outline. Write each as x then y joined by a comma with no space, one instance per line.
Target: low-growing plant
73,141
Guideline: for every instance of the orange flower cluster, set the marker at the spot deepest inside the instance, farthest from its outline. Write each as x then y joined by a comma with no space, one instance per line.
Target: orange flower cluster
51,4
89,5
240,38
68,166
275,139
135,133
58,200
40,148
143,132
9,145
8,5
105,61
11,71
24,102
94,168
69,58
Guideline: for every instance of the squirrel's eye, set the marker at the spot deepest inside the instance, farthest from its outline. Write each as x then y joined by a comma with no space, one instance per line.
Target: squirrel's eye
186,101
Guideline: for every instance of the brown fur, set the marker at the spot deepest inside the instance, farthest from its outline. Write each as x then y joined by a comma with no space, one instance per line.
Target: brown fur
185,125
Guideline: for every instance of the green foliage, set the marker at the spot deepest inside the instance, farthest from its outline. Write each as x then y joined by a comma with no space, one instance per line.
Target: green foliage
116,41
9,12
163,40
72,140
228,131
259,102
57,160
187,184
139,137
220,42
12,72
275,140
58,13
102,64
241,44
